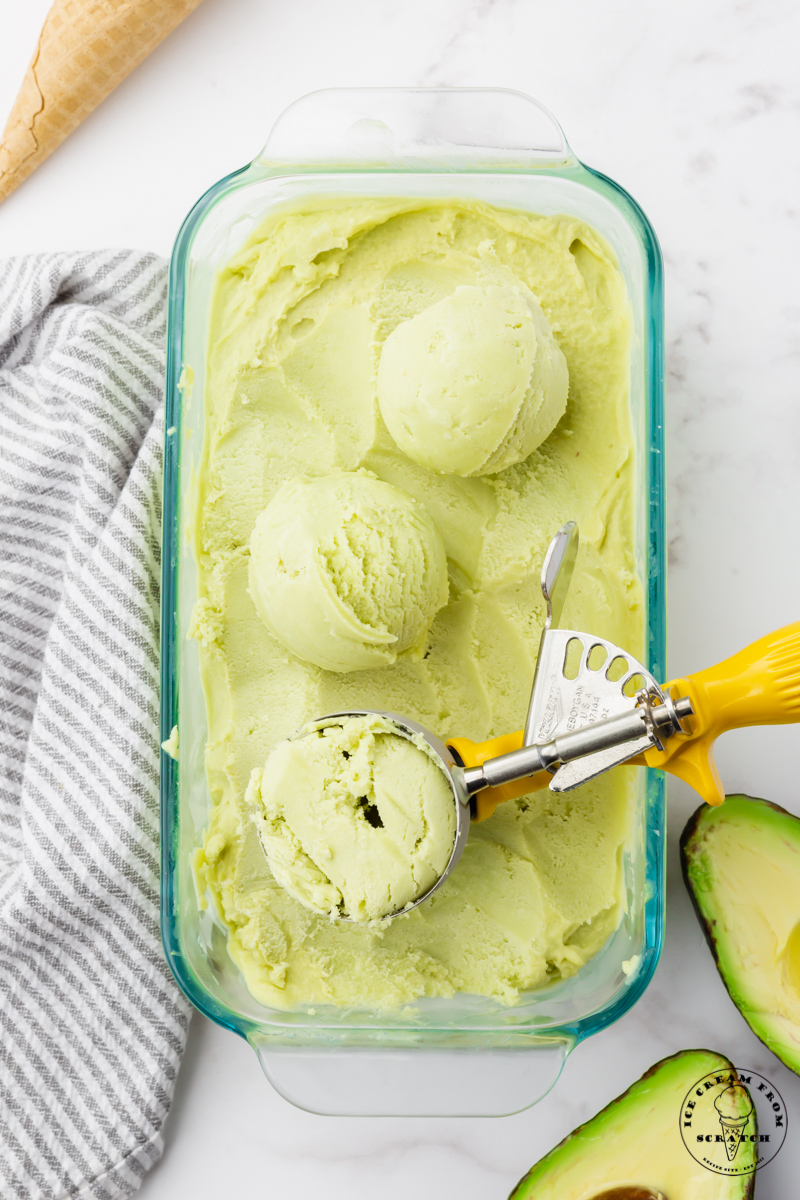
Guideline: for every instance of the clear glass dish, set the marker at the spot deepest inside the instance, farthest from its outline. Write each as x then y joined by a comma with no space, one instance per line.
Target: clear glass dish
475,1056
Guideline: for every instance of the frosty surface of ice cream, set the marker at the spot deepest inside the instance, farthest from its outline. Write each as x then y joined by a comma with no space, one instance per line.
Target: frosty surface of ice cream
473,383
355,819
300,318
347,571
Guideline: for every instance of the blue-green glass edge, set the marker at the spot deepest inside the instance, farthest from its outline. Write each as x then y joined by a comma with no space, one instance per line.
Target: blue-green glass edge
656,602
655,793
170,536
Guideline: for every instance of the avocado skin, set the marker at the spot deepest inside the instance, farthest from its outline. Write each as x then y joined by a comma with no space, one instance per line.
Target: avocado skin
692,876
742,1188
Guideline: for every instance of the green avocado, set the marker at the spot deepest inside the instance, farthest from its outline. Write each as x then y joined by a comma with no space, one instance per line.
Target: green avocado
633,1148
741,863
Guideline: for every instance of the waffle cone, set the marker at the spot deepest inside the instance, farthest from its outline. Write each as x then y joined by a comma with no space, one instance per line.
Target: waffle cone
85,49
733,1128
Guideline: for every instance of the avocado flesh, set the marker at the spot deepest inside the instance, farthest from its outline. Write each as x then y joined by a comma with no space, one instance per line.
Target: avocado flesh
636,1141
741,863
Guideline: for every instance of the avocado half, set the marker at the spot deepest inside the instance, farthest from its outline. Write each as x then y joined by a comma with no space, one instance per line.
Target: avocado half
741,863
633,1148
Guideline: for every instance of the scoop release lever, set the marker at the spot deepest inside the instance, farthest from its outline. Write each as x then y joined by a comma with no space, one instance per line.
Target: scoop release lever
582,722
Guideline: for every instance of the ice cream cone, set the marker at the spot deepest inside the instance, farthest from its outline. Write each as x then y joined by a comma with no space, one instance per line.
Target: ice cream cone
85,49
734,1108
733,1130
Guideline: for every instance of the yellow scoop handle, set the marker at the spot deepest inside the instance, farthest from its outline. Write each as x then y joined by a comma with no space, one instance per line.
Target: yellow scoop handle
475,754
758,686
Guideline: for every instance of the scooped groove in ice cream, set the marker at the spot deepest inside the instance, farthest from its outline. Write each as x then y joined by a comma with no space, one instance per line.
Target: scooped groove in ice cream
356,820
347,571
473,383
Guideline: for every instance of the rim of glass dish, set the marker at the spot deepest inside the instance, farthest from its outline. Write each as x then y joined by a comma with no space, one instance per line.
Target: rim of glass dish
575,1031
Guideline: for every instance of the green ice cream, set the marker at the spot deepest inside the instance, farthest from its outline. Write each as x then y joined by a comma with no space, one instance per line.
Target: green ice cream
347,571
473,383
299,323
355,820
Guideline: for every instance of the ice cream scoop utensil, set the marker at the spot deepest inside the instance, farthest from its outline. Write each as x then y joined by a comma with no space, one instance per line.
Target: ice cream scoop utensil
760,685
600,744
594,705
581,682
581,679
525,763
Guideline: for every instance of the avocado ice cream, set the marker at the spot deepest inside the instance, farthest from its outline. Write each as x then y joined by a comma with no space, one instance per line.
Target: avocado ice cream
347,571
355,819
300,317
473,383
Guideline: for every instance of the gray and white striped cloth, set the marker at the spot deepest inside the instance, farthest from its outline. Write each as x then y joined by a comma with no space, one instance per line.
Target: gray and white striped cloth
92,1025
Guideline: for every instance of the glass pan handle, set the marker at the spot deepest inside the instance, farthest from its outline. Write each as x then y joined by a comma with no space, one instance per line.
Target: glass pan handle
416,128
395,1082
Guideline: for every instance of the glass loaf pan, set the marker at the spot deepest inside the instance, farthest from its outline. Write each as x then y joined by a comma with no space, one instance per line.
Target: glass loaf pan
475,1057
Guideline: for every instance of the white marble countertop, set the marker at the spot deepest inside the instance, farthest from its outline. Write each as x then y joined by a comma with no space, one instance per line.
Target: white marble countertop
695,109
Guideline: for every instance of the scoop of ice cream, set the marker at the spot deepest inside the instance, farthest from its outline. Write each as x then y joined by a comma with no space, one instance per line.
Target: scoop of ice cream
474,382
347,572
355,819
734,1104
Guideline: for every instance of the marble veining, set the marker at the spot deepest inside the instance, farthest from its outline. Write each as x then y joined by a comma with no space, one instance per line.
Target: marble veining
695,109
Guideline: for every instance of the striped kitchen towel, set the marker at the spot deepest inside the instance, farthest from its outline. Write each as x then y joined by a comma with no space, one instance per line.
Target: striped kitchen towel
92,1025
